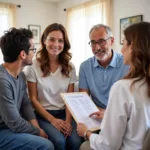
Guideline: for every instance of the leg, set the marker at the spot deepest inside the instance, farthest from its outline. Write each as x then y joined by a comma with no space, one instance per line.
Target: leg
54,135
85,146
23,141
74,141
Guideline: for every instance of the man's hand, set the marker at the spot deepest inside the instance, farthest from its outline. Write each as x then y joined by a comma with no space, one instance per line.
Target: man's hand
43,134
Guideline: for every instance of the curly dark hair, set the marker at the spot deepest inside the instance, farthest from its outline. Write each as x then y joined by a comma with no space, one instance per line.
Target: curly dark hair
139,35
64,57
13,42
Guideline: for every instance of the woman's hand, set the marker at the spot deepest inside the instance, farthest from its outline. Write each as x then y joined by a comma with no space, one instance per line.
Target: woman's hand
58,124
81,129
68,129
62,126
98,115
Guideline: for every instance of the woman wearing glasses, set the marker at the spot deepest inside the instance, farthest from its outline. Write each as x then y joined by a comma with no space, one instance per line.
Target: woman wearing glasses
127,117
51,74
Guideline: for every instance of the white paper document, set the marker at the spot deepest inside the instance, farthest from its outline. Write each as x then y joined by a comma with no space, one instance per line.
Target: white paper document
81,106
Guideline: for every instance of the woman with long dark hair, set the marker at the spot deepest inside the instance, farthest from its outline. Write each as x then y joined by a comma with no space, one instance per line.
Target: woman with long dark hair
127,117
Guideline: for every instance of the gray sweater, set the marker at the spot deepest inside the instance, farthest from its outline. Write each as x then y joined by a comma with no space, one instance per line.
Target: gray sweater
15,107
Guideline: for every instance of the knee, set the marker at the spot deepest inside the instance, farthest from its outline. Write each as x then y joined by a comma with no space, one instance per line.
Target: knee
76,142
60,143
46,145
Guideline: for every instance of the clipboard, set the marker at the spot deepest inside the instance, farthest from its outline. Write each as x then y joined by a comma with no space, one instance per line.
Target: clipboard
81,106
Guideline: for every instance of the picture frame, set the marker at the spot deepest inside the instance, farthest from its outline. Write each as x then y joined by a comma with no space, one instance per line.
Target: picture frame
125,22
36,30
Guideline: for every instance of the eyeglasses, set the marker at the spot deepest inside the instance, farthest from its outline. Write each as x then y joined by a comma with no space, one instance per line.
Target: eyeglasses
33,49
100,42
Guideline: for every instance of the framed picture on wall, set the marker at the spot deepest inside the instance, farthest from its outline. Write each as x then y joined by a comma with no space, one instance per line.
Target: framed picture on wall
36,30
125,22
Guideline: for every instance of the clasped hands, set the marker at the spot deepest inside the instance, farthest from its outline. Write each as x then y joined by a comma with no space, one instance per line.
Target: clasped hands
62,126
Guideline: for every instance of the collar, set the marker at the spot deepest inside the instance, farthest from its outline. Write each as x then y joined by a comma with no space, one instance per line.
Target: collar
113,62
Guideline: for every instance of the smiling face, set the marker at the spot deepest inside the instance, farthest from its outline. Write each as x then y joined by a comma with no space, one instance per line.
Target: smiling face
101,51
54,42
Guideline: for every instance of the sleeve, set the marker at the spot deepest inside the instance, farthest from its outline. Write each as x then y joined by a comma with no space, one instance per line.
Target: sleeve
114,122
30,73
82,77
73,77
10,113
26,106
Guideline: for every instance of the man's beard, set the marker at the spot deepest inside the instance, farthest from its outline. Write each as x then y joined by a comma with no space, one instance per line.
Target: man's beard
104,52
26,63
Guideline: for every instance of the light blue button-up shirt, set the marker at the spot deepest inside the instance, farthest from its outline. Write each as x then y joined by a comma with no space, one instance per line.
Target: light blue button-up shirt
98,80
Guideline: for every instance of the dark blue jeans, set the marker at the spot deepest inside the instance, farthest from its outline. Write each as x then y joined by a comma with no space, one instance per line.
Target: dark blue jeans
23,141
73,142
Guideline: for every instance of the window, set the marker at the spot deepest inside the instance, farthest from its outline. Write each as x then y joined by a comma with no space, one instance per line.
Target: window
7,19
80,20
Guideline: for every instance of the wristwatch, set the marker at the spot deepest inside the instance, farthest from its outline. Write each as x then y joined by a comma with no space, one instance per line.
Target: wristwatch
85,135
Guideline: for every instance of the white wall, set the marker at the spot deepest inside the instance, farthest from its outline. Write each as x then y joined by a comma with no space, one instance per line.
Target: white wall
126,8
61,14
34,12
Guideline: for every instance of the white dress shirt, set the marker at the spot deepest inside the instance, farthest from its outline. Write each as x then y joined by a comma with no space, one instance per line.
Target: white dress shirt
126,120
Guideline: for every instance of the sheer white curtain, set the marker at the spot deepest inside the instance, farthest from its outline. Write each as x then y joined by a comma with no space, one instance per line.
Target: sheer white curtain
7,19
80,20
